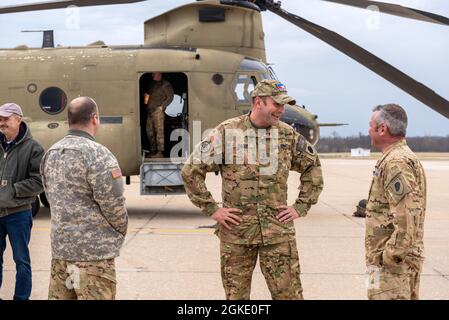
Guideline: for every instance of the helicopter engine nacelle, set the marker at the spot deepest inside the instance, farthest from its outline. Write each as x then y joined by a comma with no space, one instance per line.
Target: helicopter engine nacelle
209,24
303,122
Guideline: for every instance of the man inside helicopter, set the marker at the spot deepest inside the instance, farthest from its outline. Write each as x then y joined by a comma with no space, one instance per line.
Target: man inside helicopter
156,99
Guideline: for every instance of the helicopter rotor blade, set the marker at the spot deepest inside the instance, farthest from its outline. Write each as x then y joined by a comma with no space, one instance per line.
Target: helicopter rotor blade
369,60
61,4
397,10
332,124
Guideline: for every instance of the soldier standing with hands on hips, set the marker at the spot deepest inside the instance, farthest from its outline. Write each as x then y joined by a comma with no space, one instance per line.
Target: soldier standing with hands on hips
255,219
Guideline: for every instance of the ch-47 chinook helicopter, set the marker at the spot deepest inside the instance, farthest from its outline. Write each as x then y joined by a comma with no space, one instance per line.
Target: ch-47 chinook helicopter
212,76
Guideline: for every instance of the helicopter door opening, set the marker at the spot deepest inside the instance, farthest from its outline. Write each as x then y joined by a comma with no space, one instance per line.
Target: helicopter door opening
176,113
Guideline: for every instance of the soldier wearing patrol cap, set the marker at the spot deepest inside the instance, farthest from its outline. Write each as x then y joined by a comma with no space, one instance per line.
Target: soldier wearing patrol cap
255,220
395,211
84,186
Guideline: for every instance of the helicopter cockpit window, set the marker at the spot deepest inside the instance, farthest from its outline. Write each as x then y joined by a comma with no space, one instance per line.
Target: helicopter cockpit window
255,65
244,86
272,73
53,100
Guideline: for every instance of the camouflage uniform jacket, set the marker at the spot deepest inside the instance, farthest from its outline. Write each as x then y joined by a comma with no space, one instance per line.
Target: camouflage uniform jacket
395,210
161,95
84,187
244,187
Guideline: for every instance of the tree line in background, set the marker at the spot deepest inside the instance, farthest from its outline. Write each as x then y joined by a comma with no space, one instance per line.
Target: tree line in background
336,143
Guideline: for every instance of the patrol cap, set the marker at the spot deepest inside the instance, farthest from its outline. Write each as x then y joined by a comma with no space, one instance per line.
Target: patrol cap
274,89
8,109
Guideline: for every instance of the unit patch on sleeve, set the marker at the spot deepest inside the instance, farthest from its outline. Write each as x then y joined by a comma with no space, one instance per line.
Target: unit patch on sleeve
116,173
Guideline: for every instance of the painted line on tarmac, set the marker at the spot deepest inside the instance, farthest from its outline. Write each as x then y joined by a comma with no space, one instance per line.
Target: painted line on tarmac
343,214
152,230
161,230
40,229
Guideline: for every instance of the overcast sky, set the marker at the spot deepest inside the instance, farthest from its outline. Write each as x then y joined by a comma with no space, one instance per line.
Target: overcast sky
330,84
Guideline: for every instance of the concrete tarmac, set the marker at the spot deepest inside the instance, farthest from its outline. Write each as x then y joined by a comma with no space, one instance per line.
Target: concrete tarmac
171,252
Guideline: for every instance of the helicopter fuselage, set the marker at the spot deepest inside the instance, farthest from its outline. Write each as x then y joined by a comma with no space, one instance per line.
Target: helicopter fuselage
212,52
209,85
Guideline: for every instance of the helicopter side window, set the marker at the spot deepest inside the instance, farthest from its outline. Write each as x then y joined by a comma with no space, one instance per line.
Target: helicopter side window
244,86
53,100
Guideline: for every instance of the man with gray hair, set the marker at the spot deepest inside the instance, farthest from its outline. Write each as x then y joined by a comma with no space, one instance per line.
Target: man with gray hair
395,211
84,186
20,183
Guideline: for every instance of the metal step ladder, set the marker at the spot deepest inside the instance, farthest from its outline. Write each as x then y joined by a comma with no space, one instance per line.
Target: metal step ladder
161,176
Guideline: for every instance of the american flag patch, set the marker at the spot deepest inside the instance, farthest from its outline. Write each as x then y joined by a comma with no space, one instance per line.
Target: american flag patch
281,87
116,173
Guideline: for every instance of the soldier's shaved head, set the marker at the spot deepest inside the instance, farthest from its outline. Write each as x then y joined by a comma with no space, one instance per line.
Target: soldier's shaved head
81,110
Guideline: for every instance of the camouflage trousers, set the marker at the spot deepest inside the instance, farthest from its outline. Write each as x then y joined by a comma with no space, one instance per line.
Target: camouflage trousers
93,280
386,285
279,264
155,129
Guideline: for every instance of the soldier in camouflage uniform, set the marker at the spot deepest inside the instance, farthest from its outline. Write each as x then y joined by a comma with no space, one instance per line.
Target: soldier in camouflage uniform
157,99
84,186
395,210
255,219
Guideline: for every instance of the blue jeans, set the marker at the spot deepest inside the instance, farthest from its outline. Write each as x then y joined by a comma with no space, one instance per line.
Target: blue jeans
17,227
